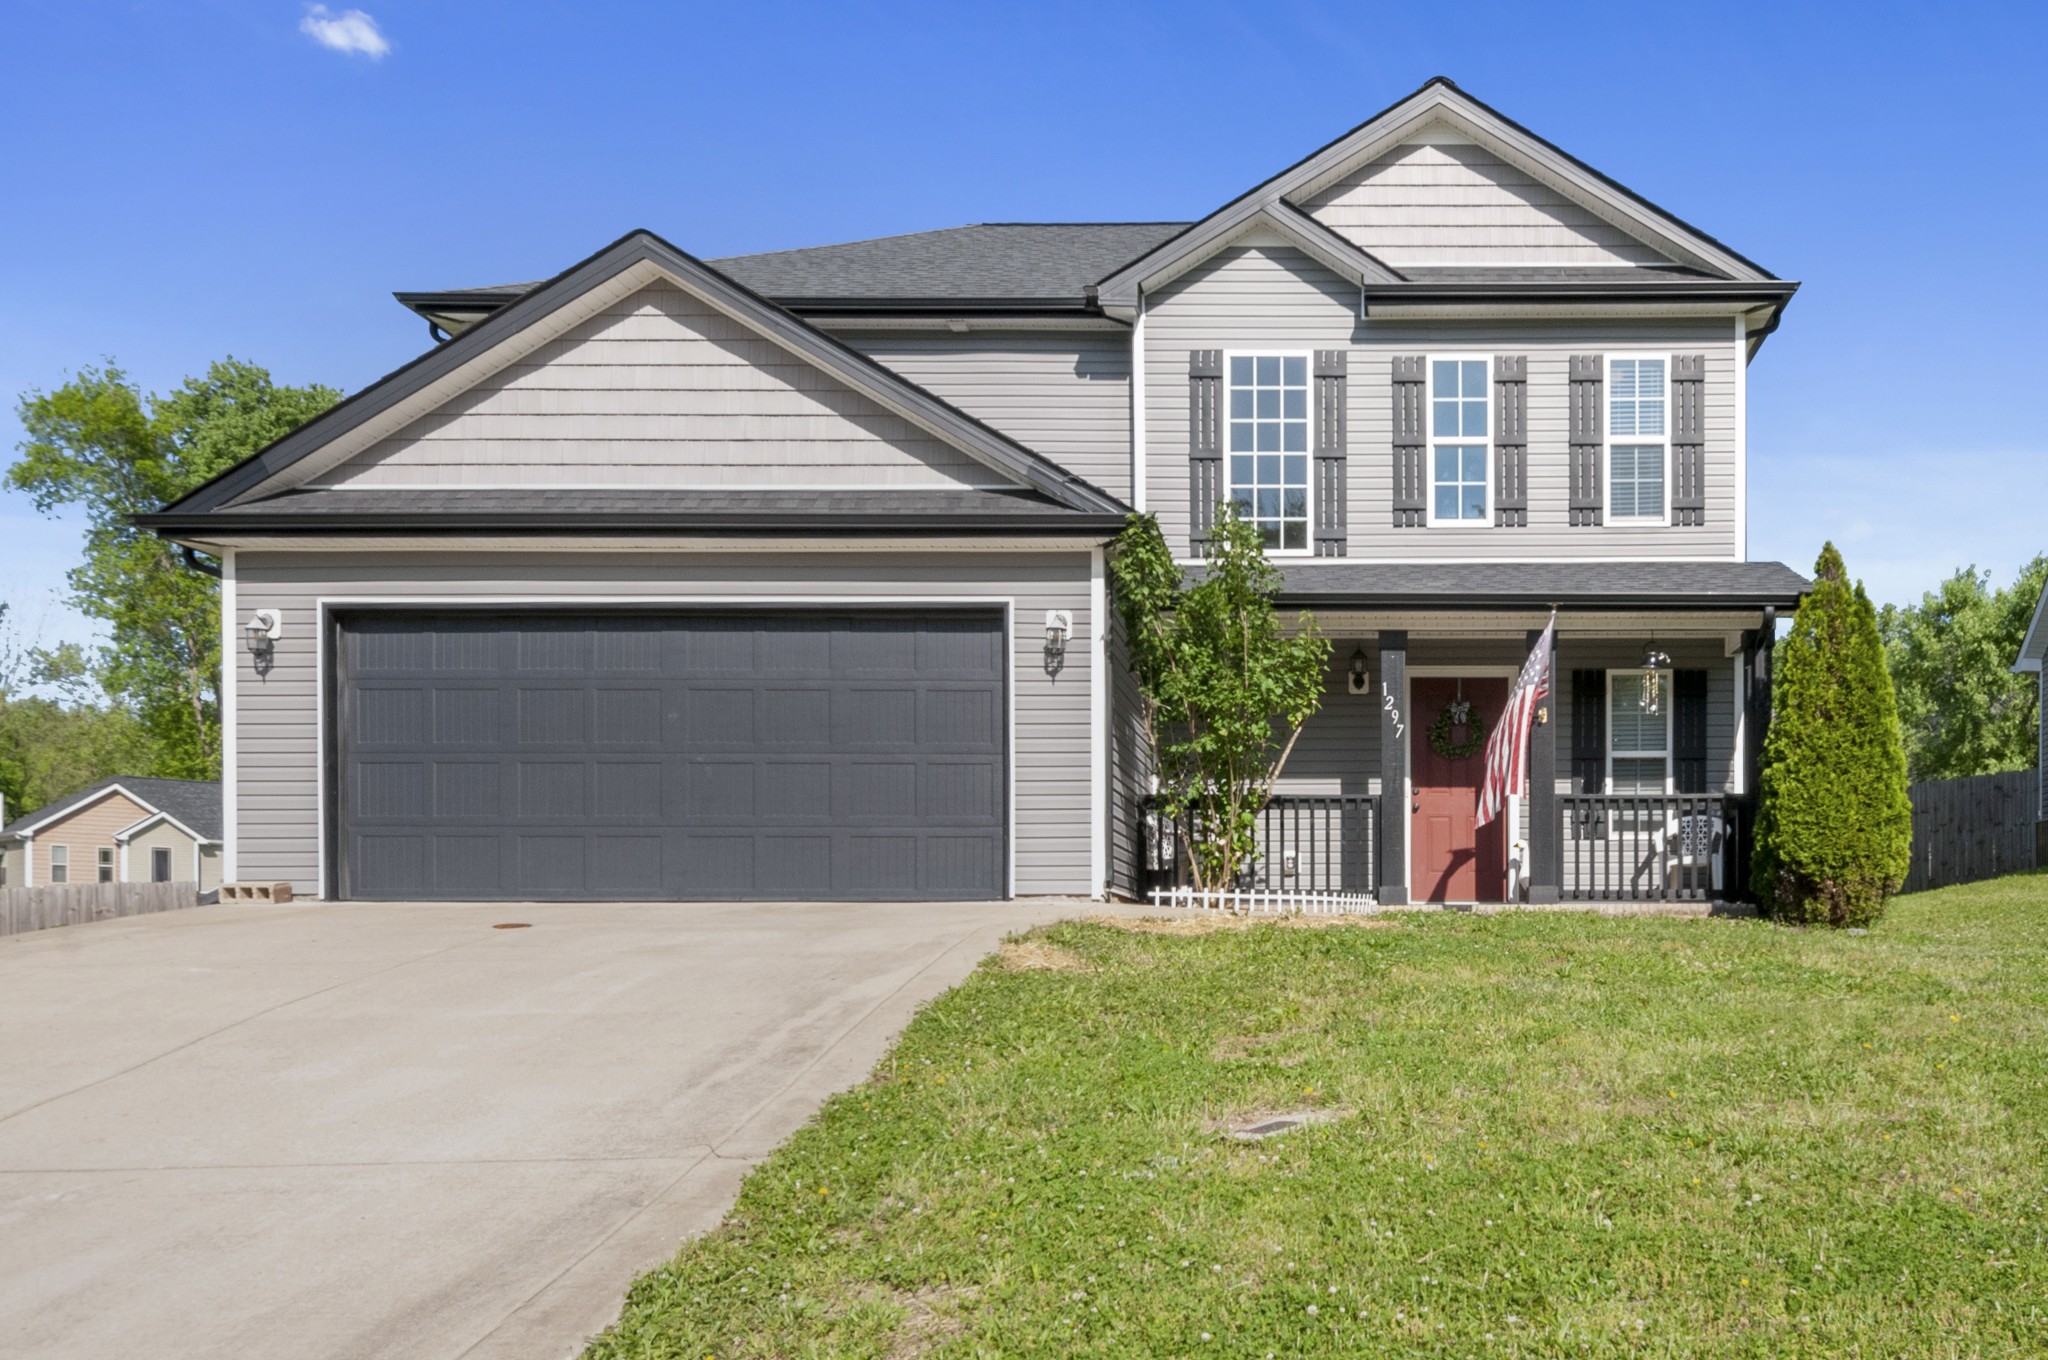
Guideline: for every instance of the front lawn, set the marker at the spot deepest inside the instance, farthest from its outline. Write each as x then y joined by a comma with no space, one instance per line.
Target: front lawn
1547,1134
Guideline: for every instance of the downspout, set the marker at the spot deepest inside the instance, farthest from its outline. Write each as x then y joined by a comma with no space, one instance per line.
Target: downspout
192,563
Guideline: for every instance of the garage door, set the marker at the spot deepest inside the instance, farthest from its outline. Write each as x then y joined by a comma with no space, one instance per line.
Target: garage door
708,756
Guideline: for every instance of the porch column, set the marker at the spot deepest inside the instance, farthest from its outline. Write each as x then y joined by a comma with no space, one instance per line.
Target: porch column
1393,846
1546,828
1759,724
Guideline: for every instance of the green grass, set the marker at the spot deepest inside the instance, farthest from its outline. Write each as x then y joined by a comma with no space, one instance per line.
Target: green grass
1554,1134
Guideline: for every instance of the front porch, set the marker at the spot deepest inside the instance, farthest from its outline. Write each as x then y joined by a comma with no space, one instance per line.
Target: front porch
1642,761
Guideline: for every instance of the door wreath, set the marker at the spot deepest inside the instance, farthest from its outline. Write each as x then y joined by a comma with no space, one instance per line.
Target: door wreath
1457,714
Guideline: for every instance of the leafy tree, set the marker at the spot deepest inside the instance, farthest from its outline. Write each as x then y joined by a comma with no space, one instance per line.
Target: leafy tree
97,442
1962,709
1224,691
1834,832
51,746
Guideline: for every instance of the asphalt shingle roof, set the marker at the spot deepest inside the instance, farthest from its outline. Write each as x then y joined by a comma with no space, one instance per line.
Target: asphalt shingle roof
1490,584
912,503
195,802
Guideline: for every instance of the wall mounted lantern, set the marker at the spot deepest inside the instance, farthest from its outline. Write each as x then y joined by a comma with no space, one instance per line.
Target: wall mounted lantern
264,628
1356,679
1059,628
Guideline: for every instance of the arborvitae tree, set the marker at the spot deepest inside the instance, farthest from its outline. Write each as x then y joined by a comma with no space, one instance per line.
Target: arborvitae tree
1834,831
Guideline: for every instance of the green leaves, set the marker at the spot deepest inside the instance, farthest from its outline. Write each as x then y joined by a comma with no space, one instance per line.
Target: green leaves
97,443
1962,709
1225,688
1834,829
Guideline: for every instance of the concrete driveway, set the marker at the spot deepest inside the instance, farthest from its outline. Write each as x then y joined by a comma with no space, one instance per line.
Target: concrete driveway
371,1131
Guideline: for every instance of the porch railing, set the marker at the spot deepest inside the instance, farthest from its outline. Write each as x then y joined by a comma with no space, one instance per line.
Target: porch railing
1310,846
1654,847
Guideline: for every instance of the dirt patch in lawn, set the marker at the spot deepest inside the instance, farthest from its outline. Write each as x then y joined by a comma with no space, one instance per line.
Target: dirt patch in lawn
931,1317
1037,956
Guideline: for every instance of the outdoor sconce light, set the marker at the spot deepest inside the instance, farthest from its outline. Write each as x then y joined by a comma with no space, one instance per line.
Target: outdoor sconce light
1059,627
264,628
1355,680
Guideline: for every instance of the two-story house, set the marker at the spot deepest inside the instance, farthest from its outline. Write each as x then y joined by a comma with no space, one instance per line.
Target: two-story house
782,575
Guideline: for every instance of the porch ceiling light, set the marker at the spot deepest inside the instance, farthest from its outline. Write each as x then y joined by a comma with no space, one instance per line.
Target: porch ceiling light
1357,677
1651,692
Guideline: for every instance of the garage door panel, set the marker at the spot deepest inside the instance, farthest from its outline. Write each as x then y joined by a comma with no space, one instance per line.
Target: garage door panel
646,756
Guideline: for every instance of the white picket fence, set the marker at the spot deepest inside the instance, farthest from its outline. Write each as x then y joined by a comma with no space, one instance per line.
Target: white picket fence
26,909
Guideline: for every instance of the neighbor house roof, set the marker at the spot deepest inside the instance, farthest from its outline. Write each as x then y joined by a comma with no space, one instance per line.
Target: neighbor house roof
633,260
1492,585
193,802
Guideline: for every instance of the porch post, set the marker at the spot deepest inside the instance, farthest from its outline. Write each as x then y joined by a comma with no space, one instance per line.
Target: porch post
1759,700
1546,829
1393,846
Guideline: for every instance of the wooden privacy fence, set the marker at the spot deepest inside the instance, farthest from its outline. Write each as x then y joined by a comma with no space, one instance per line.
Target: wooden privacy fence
1976,827
26,909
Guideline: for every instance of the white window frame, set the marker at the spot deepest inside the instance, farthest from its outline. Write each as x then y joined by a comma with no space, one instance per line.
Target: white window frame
1429,363
1609,519
1308,360
104,865
169,867
1607,720
59,864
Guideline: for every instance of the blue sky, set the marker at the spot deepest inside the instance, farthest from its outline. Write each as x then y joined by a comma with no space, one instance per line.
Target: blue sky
191,178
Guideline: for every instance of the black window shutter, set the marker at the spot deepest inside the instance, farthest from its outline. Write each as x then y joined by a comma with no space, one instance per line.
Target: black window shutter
1510,441
1588,419
1688,439
1410,505
1689,731
1332,439
1589,731
1205,444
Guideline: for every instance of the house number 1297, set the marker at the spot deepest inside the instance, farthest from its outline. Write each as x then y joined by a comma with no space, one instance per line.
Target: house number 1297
1387,702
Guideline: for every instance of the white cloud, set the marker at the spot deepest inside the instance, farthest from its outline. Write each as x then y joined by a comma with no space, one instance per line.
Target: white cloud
350,31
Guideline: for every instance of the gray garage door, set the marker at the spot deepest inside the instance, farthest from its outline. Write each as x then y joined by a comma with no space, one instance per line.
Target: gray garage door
711,756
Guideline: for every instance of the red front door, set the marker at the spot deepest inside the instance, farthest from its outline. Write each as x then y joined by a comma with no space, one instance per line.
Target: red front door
1451,859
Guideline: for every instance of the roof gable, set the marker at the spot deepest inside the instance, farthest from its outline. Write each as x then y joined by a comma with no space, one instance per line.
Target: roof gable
551,312
1443,114
194,802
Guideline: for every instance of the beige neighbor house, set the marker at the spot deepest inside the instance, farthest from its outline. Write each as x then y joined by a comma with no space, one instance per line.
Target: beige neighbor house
118,831
783,575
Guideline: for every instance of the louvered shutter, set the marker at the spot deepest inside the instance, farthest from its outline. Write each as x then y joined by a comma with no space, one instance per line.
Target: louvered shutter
1332,442
1589,752
1689,731
1411,506
1511,441
1588,419
1688,439
1205,444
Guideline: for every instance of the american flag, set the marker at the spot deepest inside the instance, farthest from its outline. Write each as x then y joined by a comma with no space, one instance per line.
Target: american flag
1507,750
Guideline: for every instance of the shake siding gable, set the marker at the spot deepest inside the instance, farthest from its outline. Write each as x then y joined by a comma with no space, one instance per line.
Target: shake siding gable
1065,395
1450,203
278,769
659,389
1272,296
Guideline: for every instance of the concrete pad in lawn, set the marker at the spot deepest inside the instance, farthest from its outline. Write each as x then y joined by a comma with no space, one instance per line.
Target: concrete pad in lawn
391,1130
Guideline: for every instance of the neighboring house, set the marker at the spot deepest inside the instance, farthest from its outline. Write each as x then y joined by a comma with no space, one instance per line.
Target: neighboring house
118,831
2033,658
782,576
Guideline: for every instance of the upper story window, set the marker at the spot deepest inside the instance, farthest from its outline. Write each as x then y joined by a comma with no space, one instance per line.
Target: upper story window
1636,440
1269,446
1460,410
1638,739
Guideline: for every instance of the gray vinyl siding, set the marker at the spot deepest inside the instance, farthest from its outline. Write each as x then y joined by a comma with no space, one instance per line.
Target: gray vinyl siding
1066,395
277,776
1278,299
661,389
1130,764
1707,654
1339,747
1449,203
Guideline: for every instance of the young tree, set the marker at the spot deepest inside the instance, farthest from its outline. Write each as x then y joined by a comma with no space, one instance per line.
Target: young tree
96,442
1224,689
1961,707
1834,832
